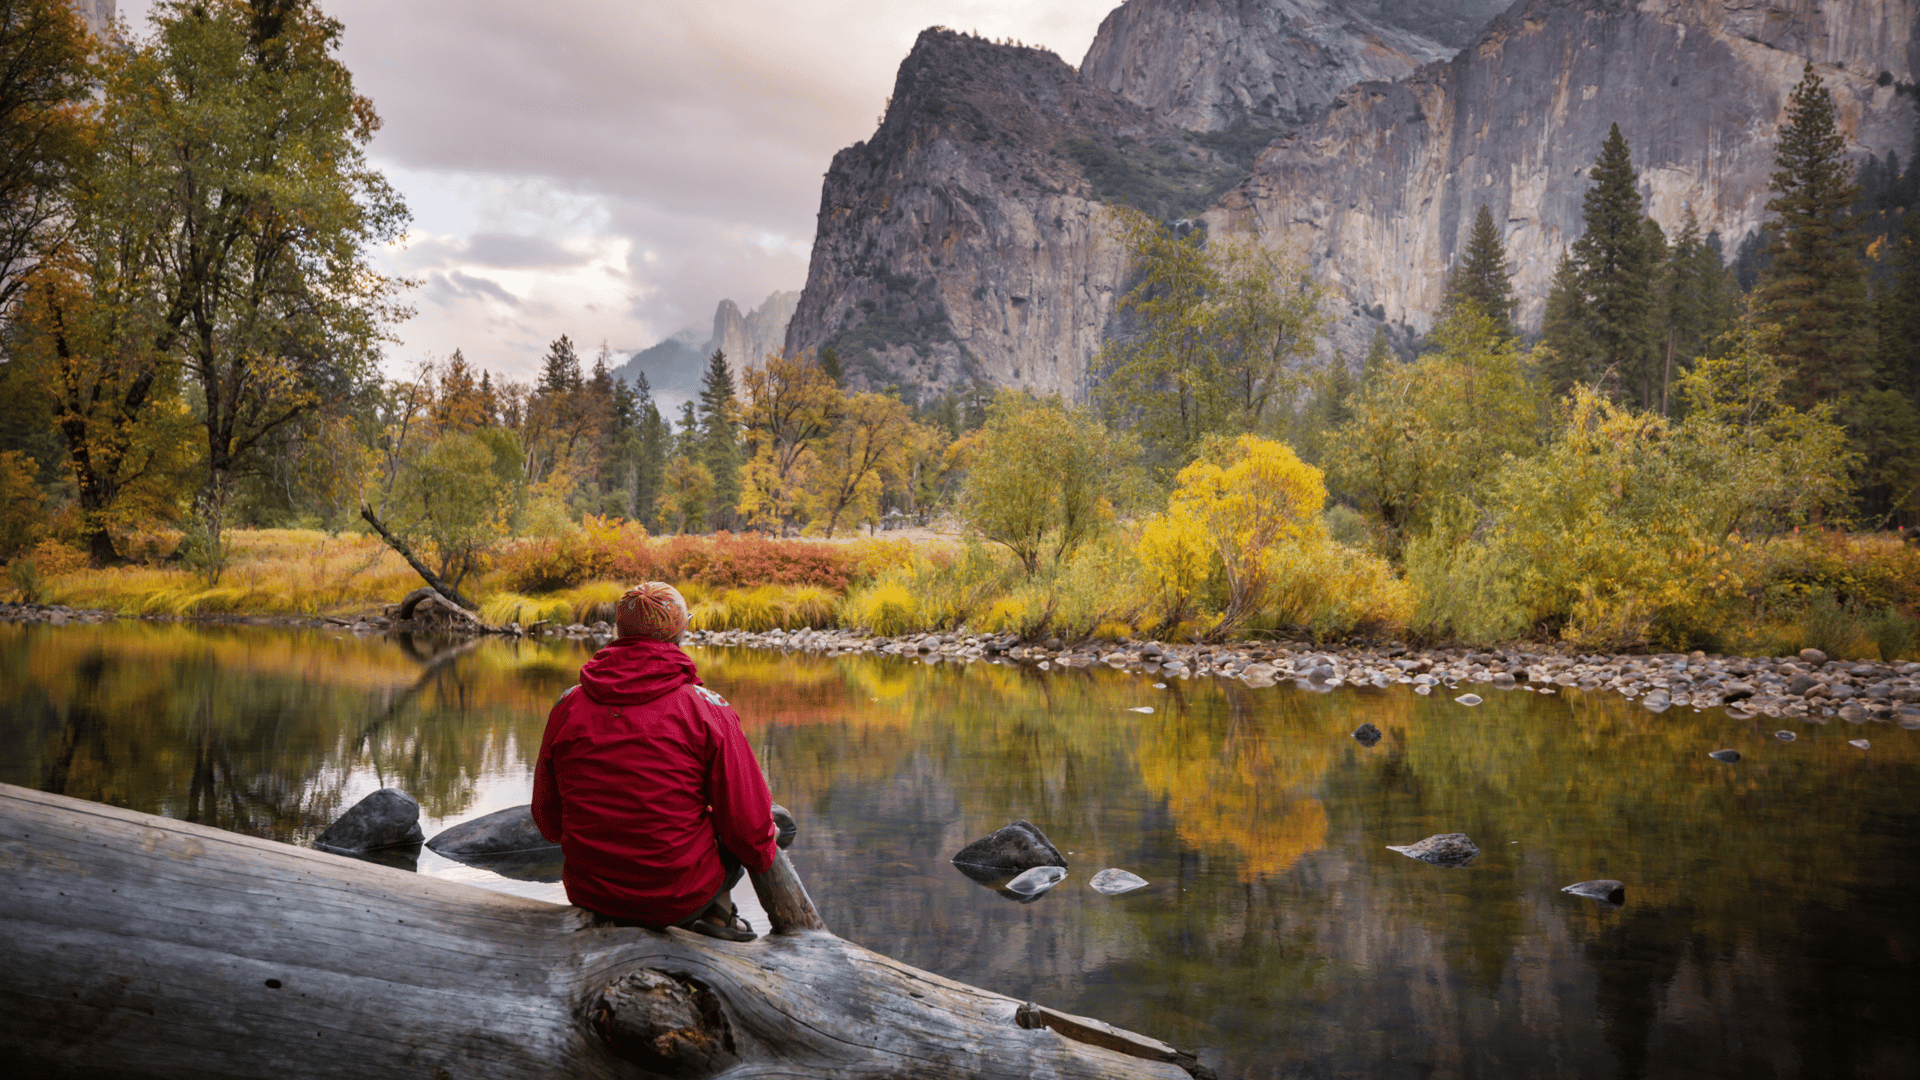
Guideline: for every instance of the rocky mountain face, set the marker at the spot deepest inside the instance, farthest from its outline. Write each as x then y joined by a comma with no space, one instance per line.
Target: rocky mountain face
747,339
1217,65
1380,193
675,366
1453,23
967,239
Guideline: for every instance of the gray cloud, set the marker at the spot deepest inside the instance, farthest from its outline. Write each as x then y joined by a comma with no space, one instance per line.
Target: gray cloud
613,169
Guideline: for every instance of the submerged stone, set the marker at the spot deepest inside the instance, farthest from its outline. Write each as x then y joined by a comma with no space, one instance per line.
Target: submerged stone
385,819
1861,743
1785,736
1728,756
1440,849
1605,890
1013,848
1114,881
1468,699
1037,880
1366,734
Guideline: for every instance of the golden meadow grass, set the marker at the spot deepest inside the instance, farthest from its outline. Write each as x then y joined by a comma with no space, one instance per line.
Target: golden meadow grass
942,585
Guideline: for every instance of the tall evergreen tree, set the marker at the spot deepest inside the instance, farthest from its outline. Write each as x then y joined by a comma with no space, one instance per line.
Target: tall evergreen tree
1480,277
1379,355
560,369
1618,266
1814,287
1566,353
720,439
1695,302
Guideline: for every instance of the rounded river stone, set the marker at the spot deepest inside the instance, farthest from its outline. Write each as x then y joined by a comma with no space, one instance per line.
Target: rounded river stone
387,818
1114,881
1013,848
1441,849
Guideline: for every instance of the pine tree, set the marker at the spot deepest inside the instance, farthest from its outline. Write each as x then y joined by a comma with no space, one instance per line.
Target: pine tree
1379,355
560,370
1814,288
1566,353
1694,301
1480,277
720,439
1617,266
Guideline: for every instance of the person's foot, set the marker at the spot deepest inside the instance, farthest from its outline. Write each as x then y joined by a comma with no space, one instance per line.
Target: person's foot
724,921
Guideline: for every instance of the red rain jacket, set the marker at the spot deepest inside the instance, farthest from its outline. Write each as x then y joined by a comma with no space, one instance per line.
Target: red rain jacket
638,772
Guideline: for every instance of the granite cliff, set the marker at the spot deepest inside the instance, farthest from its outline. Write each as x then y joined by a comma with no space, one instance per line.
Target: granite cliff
1214,65
1380,192
966,239
748,338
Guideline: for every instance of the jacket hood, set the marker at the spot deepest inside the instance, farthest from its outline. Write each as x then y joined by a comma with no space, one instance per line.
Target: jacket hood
634,671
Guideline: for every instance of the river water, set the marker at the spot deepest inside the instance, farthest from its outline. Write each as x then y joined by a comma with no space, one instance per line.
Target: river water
1770,927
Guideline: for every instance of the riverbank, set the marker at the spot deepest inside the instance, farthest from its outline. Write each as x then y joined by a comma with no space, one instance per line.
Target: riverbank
1808,686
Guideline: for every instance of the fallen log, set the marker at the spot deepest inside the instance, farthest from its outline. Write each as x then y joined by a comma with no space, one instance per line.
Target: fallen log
144,947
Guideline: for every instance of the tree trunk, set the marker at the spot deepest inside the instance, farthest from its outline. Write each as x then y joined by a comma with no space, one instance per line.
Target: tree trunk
432,579
144,947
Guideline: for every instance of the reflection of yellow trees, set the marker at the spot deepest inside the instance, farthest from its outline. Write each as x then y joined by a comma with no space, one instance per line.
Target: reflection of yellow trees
1235,779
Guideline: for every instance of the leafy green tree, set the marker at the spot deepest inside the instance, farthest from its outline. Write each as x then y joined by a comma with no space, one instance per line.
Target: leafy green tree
686,490
245,164
1041,476
1437,428
1215,333
1480,277
46,75
720,449
1814,287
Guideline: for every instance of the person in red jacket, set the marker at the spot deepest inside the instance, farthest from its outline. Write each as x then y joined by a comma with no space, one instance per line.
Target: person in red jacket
648,785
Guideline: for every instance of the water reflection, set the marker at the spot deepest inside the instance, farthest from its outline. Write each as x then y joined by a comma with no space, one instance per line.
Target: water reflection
1768,925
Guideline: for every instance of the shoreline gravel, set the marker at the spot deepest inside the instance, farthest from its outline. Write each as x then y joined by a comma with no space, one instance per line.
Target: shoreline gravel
1809,686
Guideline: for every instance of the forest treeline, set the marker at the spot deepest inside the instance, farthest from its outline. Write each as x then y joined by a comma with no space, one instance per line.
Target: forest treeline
192,333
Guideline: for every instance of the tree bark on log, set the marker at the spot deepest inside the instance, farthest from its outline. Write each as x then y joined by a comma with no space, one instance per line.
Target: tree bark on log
143,947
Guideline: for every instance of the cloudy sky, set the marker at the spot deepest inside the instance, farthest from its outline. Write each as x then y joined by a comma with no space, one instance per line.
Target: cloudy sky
612,169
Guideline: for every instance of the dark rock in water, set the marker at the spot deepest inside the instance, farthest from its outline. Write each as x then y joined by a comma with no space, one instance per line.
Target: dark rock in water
1114,881
387,818
1606,890
538,864
786,826
1728,756
502,832
1441,849
1019,846
1785,736
1366,734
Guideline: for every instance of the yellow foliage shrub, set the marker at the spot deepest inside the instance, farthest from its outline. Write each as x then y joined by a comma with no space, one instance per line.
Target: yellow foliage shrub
884,609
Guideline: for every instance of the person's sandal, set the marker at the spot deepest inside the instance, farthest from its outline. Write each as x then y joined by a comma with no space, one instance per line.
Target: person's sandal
736,928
